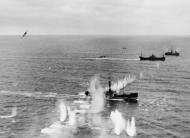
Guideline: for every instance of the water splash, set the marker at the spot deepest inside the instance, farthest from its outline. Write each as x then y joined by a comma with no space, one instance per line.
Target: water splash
122,83
97,92
118,122
66,124
54,128
72,117
13,113
131,128
63,111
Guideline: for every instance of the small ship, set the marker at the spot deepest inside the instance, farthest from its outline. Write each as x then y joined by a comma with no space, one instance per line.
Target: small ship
152,58
111,95
102,57
126,97
172,53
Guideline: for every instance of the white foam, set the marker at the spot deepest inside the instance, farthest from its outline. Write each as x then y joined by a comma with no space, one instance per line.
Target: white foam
53,129
109,58
80,111
84,106
72,117
13,113
82,95
79,101
57,129
131,128
63,111
97,92
118,122
30,94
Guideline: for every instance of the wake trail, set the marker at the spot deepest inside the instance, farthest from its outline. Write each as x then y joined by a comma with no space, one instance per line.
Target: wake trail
118,59
13,114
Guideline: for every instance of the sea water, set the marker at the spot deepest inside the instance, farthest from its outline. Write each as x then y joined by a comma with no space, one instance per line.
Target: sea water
38,73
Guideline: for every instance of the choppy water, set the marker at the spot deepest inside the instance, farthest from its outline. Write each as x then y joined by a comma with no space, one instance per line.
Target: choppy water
38,71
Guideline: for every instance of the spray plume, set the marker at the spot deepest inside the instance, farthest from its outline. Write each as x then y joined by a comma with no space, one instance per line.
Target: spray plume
72,117
97,104
120,84
131,128
56,129
118,122
63,111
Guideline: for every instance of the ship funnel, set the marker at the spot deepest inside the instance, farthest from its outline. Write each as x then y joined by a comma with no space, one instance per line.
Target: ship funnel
109,84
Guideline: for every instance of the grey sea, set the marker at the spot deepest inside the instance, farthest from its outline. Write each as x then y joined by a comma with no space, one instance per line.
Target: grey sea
37,72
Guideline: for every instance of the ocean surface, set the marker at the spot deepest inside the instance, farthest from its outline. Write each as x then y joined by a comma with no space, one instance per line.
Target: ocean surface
37,72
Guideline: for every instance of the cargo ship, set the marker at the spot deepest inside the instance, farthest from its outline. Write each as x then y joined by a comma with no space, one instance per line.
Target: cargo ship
172,53
126,97
152,58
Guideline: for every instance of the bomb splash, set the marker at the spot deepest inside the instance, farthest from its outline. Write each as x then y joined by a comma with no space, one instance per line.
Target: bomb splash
121,125
131,128
97,92
63,111
120,84
118,122
66,124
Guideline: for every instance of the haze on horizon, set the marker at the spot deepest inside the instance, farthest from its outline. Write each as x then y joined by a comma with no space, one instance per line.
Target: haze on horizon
117,17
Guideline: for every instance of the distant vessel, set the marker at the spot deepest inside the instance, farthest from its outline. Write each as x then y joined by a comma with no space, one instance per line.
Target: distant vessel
152,58
102,56
25,33
114,96
172,53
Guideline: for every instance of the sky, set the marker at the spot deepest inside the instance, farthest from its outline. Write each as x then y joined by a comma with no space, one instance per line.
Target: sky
114,17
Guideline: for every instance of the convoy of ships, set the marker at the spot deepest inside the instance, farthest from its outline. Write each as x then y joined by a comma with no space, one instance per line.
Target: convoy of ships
133,97
162,58
112,95
153,57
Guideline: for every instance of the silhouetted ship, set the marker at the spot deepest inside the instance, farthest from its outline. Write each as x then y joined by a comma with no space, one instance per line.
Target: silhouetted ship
114,96
102,56
172,53
152,58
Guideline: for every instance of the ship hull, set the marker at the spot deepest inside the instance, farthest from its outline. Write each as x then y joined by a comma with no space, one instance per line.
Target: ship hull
153,59
172,54
130,98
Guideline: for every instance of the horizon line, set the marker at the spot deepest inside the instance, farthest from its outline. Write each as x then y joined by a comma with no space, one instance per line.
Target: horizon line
96,34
